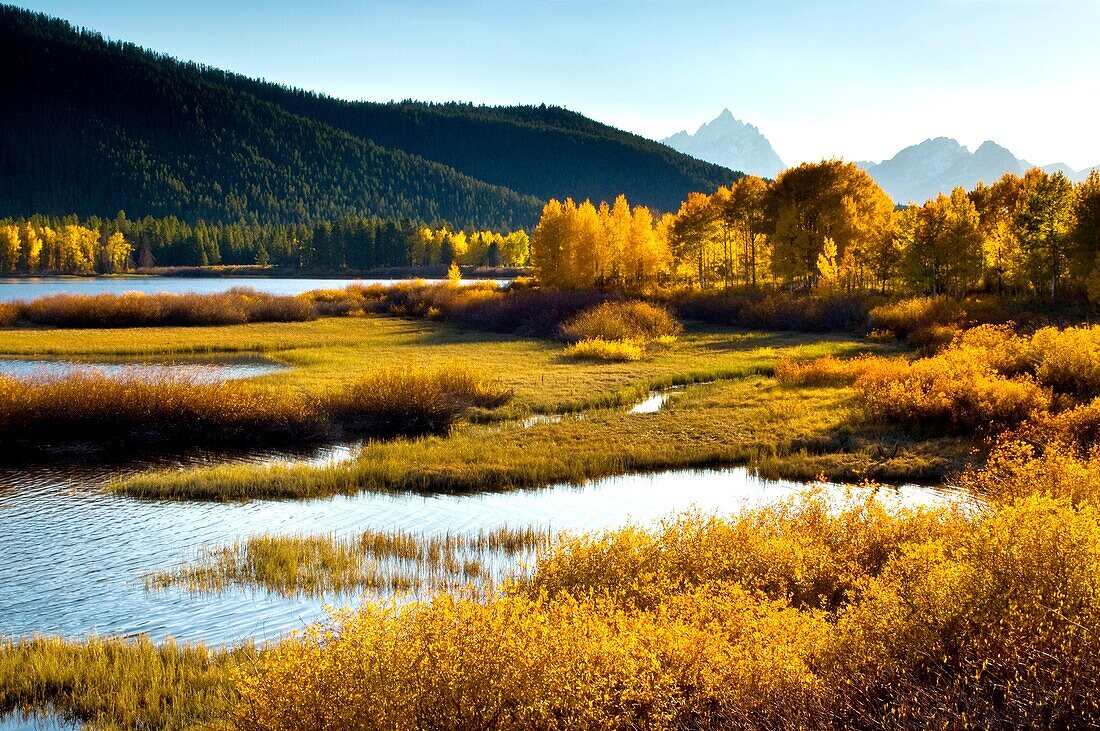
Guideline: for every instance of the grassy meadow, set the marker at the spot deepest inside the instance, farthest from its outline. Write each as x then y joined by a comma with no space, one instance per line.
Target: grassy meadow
799,615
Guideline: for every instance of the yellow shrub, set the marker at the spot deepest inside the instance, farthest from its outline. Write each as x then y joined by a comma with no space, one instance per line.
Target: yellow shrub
951,390
825,371
609,350
804,615
638,322
1019,469
1069,360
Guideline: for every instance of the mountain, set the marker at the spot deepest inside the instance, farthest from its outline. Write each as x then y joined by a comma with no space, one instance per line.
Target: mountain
728,141
1076,176
91,126
544,151
922,171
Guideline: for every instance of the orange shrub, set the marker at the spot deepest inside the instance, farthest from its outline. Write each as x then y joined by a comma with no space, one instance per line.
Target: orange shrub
825,371
950,391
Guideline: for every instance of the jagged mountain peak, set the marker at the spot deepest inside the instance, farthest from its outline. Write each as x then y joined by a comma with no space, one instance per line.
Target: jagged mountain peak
938,164
729,141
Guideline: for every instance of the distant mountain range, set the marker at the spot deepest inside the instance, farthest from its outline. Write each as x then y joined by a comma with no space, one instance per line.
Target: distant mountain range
91,126
732,143
919,172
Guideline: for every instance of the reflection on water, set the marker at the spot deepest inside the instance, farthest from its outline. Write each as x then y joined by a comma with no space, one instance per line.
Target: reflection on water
29,288
17,722
193,371
656,401
74,556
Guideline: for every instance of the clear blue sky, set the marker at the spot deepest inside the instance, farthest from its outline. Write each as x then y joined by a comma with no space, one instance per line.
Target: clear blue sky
854,79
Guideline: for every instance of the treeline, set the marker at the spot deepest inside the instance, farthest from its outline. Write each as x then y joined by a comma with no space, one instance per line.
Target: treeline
829,226
68,245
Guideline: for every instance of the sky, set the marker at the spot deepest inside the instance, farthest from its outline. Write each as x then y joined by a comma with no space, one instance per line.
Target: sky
858,80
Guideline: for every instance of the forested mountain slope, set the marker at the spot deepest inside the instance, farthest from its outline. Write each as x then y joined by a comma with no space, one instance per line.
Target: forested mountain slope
548,152
90,127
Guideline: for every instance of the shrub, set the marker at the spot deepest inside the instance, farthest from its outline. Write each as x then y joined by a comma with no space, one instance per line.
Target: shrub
796,616
9,314
757,308
1018,469
638,322
619,351
1069,360
825,371
480,306
951,391
908,316
999,347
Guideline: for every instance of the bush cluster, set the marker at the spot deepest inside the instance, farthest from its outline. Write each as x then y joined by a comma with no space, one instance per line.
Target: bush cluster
989,378
769,310
803,615
635,321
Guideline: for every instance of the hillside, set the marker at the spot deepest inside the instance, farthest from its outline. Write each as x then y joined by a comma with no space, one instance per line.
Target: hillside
547,152
101,126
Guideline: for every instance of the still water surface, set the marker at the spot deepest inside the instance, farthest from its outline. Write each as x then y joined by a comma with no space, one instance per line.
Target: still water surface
195,371
28,288
74,556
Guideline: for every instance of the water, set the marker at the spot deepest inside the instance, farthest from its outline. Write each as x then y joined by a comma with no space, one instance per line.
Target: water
75,556
197,371
656,401
29,288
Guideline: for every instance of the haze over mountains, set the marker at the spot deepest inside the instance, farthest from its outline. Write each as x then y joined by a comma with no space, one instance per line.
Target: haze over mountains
916,173
728,141
921,171
92,126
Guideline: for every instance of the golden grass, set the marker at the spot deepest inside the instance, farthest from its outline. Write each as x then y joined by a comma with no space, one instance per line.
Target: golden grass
616,351
121,684
137,309
174,411
379,561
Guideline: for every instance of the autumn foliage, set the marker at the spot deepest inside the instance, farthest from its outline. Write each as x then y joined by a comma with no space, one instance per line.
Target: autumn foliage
802,615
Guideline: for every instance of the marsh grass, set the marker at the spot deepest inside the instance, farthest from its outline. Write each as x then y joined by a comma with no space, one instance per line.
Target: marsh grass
615,351
382,562
751,421
170,411
412,401
121,684
136,309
